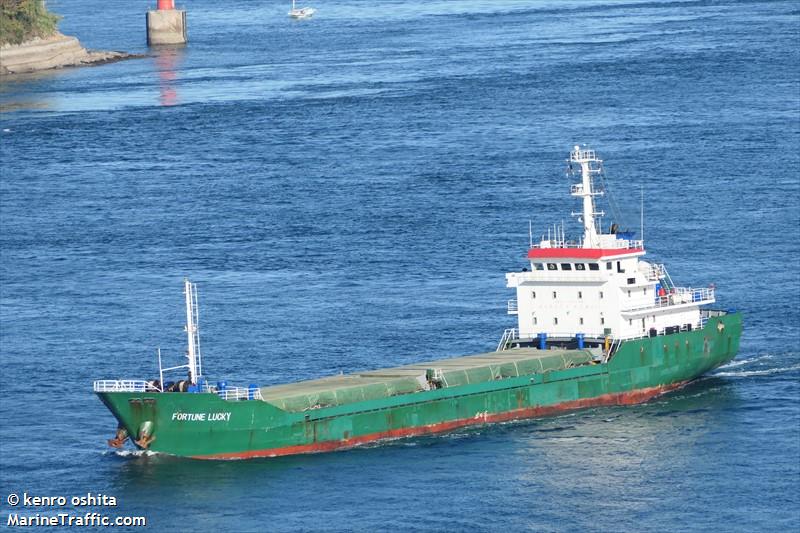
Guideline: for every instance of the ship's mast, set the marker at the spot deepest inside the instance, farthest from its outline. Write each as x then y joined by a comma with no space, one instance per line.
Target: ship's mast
192,333
590,165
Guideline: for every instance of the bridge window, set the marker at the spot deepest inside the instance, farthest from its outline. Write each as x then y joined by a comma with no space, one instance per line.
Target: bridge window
594,266
608,266
566,266
631,281
538,266
552,266
580,266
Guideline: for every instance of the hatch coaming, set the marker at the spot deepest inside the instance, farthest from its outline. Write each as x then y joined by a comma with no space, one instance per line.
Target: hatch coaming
421,377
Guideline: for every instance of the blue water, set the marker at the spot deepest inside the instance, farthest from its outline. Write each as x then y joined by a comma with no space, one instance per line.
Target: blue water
348,192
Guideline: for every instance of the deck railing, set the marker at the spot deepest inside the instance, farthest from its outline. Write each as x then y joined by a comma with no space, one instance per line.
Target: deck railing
579,154
678,296
122,385
508,335
512,306
655,272
696,326
619,244
512,334
230,393
233,394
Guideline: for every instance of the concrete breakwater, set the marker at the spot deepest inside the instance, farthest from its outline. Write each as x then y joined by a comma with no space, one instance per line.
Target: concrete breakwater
56,51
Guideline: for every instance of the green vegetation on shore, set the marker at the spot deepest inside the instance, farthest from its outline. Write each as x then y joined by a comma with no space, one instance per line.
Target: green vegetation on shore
22,20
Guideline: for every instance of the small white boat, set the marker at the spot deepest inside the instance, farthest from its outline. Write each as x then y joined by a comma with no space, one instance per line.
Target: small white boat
301,13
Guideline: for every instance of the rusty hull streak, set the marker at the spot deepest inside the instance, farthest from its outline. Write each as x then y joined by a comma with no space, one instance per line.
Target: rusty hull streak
623,398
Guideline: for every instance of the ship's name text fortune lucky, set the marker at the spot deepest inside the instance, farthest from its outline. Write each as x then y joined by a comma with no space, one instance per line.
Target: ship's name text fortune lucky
201,417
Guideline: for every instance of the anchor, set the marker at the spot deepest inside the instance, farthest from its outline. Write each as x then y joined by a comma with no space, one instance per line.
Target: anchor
145,435
119,439
145,441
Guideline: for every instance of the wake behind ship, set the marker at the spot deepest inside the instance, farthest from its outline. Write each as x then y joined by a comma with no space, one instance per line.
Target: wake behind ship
596,325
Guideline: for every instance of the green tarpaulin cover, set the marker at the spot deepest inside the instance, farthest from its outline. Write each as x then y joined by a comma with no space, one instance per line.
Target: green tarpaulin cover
382,383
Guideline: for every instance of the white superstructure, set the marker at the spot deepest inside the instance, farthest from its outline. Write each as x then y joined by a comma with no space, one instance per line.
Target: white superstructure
598,286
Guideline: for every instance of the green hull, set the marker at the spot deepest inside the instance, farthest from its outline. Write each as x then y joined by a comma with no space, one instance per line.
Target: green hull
203,425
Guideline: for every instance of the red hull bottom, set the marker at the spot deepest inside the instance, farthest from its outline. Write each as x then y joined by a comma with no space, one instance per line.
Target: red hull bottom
622,398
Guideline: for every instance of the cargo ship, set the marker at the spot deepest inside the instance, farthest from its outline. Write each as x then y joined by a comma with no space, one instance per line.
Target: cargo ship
597,325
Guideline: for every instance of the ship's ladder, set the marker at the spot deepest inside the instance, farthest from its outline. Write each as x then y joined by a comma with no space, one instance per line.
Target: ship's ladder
612,348
666,279
505,340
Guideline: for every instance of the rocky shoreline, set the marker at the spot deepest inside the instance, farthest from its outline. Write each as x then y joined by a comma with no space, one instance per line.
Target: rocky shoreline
54,52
